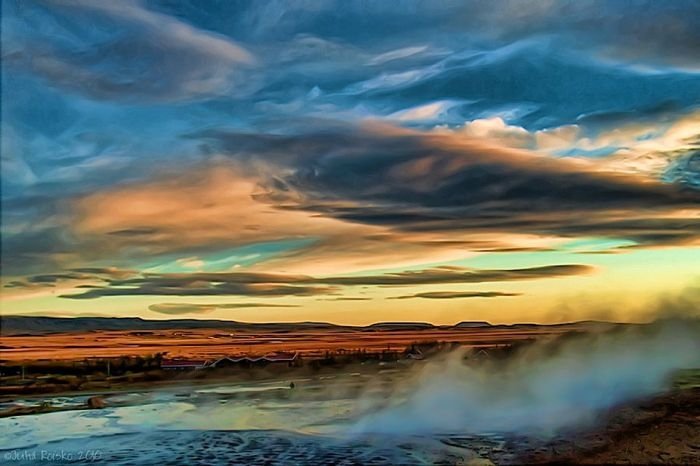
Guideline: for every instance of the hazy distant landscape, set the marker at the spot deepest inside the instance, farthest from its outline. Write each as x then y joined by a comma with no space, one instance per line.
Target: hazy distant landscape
29,338
13,325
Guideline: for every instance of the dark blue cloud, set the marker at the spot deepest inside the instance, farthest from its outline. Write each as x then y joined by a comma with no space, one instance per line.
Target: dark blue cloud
685,170
97,94
535,84
415,182
122,50
544,65
267,284
645,31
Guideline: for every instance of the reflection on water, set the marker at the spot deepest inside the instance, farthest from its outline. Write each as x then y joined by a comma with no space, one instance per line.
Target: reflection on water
266,405
239,423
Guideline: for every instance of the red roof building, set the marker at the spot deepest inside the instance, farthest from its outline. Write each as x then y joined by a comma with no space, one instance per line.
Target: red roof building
268,358
184,364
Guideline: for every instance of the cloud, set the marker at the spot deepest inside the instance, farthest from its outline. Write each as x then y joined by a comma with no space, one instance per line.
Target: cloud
685,169
110,272
417,182
200,212
225,206
361,196
80,275
213,205
273,284
535,82
188,308
397,54
349,298
242,122
457,295
662,33
202,288
123,51
450,274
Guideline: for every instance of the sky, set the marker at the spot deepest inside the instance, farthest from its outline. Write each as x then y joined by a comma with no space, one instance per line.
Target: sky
351,162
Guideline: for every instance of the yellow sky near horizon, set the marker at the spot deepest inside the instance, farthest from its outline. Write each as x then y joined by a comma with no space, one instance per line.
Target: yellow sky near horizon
623,287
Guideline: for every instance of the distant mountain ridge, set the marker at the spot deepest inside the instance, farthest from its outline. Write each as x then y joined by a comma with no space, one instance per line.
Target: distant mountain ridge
39,325
36,325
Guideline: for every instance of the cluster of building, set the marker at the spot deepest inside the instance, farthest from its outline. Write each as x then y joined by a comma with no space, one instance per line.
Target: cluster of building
289,359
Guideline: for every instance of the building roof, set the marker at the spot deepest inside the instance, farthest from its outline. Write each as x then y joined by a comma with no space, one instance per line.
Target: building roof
181,362
280,356
414,353
270,357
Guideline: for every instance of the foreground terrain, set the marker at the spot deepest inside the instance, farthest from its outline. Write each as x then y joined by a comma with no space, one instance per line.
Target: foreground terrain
307,426
387,394
664,430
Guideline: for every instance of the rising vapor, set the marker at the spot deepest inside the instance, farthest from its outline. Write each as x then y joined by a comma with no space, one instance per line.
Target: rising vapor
546,387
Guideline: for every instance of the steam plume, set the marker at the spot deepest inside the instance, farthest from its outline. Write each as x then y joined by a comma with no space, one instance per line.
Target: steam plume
546,387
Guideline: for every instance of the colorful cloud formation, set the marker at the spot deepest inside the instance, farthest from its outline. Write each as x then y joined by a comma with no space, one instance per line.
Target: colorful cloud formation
351,162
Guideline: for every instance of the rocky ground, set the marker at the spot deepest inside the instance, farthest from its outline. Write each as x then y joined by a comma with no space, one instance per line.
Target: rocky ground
665,430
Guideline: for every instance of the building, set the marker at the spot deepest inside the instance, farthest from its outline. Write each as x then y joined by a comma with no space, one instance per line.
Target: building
414,353
184,364
270,358
281,357
479,354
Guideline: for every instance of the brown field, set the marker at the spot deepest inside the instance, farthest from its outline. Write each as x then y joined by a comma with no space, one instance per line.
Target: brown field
210,343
